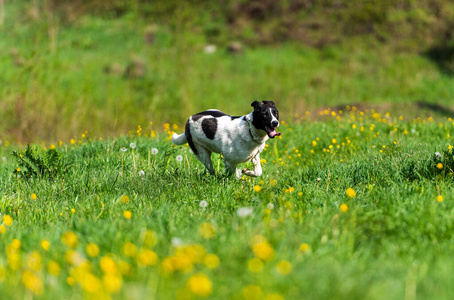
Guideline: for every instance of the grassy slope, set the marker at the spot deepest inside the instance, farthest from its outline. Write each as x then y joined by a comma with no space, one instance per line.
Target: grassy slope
55,86
394,241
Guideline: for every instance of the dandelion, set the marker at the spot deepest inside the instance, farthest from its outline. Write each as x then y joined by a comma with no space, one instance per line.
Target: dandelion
251,292
439,166
440,198
112,283
203,204
73,210
32,282
207,230
273,182
53,268
274,296
141,173
45,245
343,207
154,151
108,265
255,265
92,250
257,188
129,249
7,220
200,285
124,199
263,250
350,193
244,211
147,258
304,247
270,205
176,242
211,261
284,267
70,239
18,169
124,149
2,229
127,214
179,158
132,145
34,197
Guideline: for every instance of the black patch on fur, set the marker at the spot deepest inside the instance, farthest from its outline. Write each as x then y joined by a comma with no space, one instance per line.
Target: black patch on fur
209,127
234,117
187,132
213,113
261,116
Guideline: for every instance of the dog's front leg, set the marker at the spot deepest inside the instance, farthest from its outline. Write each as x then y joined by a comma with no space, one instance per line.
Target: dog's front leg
257,167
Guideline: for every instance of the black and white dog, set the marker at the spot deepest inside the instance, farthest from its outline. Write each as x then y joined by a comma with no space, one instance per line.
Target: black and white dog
239,139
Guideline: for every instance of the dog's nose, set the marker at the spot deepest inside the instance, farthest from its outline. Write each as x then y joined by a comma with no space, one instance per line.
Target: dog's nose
275,123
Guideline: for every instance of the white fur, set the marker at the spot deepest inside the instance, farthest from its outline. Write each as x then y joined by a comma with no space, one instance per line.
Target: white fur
238,141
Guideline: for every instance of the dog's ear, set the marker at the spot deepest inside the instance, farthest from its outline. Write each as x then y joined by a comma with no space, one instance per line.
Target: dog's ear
255,104
269,102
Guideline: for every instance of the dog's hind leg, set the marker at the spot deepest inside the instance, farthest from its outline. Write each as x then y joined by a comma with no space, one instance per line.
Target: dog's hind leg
204,155
257,167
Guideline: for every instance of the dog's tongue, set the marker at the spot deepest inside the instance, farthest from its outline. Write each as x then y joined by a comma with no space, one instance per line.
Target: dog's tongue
272,133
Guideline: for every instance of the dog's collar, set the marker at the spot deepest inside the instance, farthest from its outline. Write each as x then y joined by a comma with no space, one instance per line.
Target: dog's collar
249,122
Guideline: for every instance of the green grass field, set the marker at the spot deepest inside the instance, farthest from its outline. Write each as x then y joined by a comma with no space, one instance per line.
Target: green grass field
352,205
356,197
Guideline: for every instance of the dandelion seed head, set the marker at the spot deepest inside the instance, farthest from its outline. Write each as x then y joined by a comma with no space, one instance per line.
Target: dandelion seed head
203,204
154,151
141,173
243,212
124,149
132,145
179,158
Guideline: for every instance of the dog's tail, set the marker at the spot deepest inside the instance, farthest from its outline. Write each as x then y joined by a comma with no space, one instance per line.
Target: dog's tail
179,139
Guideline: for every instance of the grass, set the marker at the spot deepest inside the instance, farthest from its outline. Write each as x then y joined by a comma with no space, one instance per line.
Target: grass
60,79
285,235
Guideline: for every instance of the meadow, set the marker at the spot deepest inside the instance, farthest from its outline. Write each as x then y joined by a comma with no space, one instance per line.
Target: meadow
352,204
356,196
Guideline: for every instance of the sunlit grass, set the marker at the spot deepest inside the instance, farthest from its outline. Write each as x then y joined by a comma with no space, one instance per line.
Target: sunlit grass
351,204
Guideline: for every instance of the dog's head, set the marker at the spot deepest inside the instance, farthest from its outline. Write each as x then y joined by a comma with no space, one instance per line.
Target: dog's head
266,117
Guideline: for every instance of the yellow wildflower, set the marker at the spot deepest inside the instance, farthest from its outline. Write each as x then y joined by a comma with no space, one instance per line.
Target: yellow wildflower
252,292
343,207
207,230
127,214
129,249
53,268
34,197
45,245
440,198
7,220
70,239
350,193
284,267
92,250
200,285
211,261
255,265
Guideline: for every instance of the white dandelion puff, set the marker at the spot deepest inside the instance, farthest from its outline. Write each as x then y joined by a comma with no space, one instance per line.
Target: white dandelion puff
154,151
176,242
124,149
203,204
141,173
270,205
132,145
179,158
244,211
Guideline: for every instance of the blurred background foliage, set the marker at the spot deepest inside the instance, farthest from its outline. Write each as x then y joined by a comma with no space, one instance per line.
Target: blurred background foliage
108,66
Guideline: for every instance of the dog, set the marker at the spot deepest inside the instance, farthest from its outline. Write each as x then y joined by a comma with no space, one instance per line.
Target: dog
239,139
